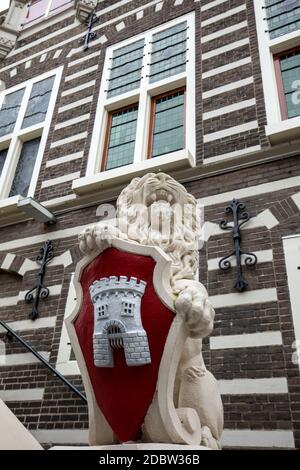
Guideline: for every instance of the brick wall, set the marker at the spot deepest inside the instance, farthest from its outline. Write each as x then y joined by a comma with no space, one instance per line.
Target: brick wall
55,407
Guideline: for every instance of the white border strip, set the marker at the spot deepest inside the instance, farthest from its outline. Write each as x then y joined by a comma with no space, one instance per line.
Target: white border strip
226,68
258,438
273,385
222,16
223,32
22,394
25,325
256,296
263,256
230,131
228,87
246,340
229,109
7,360
65,159
60,180
265,188
227,48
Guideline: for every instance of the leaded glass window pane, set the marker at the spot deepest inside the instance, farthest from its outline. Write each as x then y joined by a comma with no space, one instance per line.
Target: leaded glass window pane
122,138
283,16
168,132
9,111
168,56
290,72
38,102
25,168
126,69
3,154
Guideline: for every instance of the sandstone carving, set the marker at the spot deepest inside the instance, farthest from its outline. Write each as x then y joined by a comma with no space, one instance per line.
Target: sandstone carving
195,395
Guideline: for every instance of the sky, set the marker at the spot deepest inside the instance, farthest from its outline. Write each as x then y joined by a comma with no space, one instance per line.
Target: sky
4,4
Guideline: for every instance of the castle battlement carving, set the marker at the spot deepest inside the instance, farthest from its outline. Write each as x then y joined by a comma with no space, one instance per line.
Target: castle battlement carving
105,284
117,321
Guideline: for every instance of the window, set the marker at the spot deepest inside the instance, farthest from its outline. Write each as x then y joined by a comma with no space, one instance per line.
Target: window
127,308
279,48
25,115
167,124
283,16
146,105
42,8
287,68
102,311
120,141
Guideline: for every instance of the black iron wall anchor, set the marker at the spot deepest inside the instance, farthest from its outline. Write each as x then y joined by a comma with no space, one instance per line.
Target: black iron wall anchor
240,216
90,35
40,291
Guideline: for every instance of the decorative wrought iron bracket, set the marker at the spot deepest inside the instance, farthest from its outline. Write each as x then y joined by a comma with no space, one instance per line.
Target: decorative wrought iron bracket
90,35
239,216
40,291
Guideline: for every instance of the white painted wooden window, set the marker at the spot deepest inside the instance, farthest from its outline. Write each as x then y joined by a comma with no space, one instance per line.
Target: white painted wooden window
284,36
136,71
66,363
39,9
25,117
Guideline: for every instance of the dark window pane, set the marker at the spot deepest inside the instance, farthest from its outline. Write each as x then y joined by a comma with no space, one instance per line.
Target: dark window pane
126,69
283,16
25,168
38,102
290,71
9,111
168,134
3,154
168,56
122,138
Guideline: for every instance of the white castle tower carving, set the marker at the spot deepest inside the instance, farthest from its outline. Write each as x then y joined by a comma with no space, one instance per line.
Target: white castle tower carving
117,321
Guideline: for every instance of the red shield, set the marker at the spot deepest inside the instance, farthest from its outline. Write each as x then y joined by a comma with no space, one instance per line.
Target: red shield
124,393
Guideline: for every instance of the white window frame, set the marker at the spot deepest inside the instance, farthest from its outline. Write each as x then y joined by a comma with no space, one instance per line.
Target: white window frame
277,129
14,140
48,14
143,96
63,363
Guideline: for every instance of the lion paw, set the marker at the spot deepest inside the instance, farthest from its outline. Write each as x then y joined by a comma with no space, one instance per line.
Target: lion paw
208,440
196,310
96,236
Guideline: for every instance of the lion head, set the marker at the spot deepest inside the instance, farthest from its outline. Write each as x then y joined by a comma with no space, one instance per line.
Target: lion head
157,210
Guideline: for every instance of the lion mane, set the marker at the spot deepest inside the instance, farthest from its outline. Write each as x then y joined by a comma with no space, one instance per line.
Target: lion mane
140,199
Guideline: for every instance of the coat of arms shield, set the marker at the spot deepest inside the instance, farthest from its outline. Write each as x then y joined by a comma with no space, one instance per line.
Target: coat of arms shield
119,330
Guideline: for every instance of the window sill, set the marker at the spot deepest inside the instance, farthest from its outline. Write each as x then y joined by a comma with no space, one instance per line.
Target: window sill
284,130
108,179
9,205
285,42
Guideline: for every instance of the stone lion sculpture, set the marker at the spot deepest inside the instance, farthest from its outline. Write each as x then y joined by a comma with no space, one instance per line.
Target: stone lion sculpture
140,210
